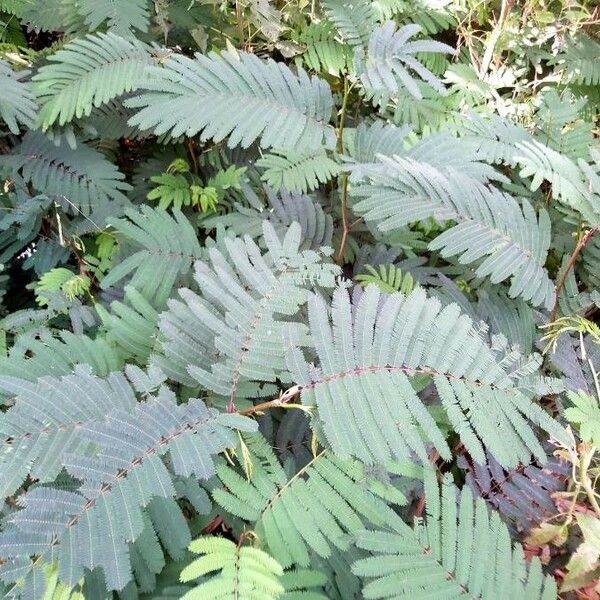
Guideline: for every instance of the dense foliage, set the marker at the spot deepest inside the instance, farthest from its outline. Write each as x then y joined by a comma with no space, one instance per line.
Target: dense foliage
299,300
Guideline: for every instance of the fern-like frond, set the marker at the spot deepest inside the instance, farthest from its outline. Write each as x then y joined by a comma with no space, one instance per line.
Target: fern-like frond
323,53
281,210
85,73
509,321
236,95
500,141
123,479
241,571
313,510
391,64
244,570
436,149
131,326
568,182
388,279
14,7
439,150
510,317
61,280
578,61
361,385
354,19
52,15
523,496
511,240
165,248
432,113
45,584
378,138
109,122
80,180
432,15
41,425
146,169
297,172
559,119
247,301
459,549
120,16
585,412
300,584
17,102
29,319
171,188
49,355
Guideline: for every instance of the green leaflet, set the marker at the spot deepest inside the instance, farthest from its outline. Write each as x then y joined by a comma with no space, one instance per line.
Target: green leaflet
490,224
314,511
17,102
316,221
458,548
87,73
122,484
240,96
362,391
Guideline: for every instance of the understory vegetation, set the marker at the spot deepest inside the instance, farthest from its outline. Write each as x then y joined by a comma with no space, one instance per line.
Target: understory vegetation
299,300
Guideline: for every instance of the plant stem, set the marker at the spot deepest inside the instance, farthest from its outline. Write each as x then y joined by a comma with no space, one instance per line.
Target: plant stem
190,146
61,239
284,398
586,459
488,55
340,148
340,255
581,244
340,135
239,25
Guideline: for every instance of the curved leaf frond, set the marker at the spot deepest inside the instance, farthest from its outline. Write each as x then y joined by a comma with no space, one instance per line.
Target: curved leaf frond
88,73
236,95
362,388
460,549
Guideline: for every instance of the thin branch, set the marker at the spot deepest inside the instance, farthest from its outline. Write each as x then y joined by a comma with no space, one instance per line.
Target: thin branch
340,148
283,398
192,153
581,244
345,229
490,46
239,18
61,238
586,459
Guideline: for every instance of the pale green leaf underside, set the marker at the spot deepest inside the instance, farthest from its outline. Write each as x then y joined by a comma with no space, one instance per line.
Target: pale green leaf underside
238,96
361,387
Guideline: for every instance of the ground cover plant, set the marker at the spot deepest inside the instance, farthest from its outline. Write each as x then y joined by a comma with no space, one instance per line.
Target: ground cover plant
299,300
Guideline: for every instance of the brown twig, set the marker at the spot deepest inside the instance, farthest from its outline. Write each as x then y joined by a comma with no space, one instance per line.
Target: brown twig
355,223
581,244
283,398
340,148
190,147
345,229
